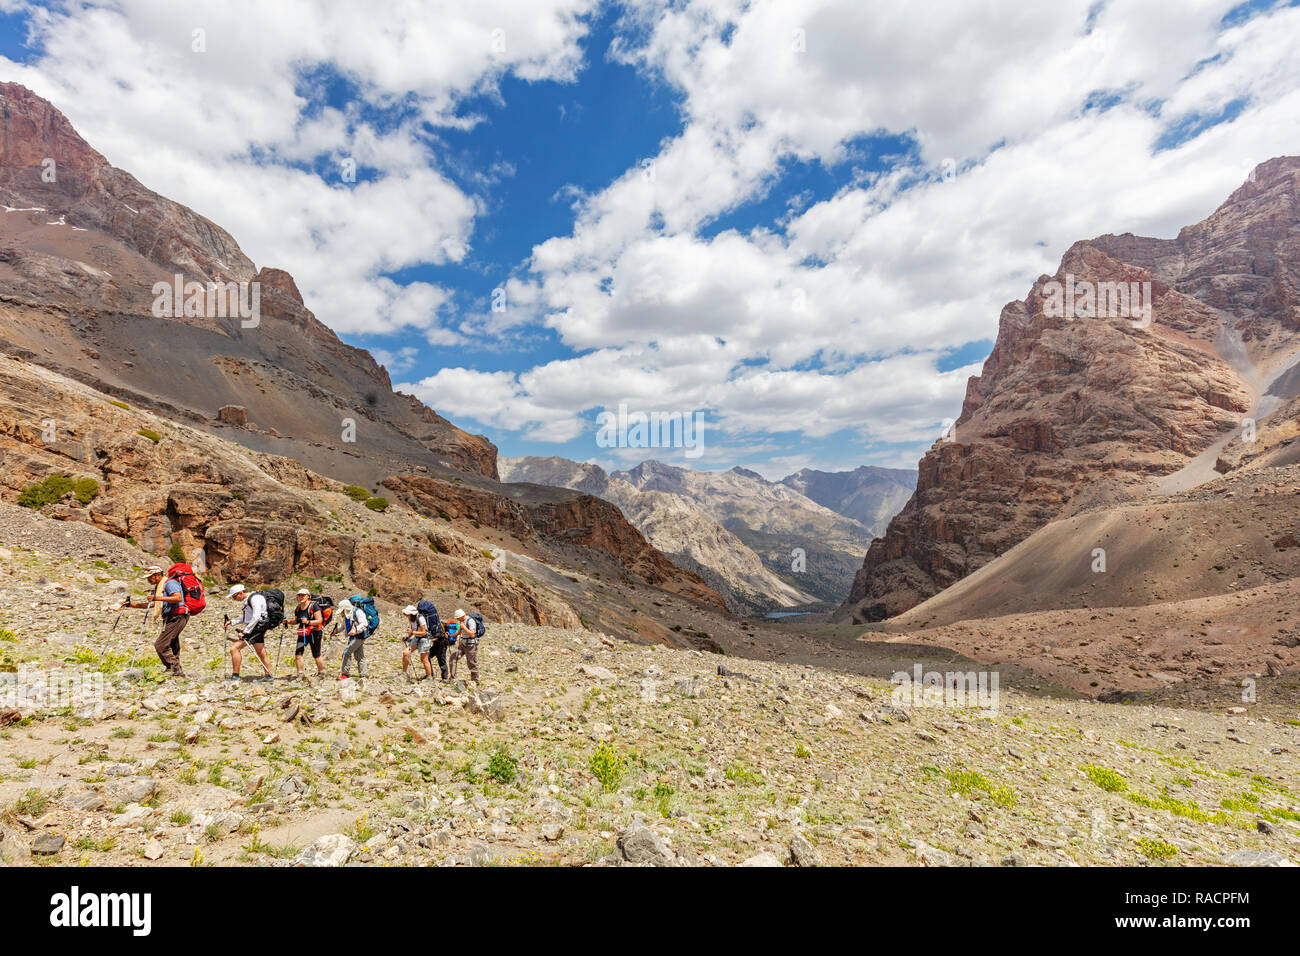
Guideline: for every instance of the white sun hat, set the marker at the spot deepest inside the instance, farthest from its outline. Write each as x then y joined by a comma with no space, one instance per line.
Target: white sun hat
237,589
409,609
459,613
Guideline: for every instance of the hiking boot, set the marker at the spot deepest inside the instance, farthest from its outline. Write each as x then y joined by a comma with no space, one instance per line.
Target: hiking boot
345,677
234,677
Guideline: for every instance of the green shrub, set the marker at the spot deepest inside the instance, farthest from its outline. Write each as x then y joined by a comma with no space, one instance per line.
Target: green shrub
503,768
176,553
85,490
47,492
150,434
356,492
377,504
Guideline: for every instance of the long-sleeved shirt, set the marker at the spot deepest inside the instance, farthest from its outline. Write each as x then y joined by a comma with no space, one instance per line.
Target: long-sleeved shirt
254,612
356,623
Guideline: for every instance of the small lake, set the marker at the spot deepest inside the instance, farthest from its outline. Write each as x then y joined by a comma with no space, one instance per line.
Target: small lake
779,614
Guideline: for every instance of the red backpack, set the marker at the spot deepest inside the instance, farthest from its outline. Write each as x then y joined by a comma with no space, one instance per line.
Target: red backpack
192,600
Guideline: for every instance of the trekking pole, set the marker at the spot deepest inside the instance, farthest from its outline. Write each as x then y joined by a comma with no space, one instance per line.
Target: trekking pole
279,651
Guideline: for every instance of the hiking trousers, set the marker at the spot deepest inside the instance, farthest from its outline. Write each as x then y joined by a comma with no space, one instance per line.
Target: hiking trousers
439,652
468,651
356,649
168,644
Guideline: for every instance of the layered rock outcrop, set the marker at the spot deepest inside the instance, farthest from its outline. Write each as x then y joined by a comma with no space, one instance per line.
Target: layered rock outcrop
1072,411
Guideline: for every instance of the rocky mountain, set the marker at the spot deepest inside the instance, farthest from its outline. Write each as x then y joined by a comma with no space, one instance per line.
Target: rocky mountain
869,495
82,244
676,526
797,539
1088,406
201,426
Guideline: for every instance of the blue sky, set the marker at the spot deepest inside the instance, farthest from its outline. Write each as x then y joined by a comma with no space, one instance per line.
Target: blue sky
797,219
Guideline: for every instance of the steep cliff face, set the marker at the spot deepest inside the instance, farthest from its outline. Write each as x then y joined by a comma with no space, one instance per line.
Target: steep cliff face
563,525
1073,411
82,245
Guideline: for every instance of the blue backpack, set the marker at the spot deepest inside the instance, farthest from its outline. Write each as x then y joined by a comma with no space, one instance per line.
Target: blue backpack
367,604
431,616
482,628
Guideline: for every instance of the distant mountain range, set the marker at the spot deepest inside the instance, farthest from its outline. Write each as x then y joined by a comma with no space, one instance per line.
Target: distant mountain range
761,544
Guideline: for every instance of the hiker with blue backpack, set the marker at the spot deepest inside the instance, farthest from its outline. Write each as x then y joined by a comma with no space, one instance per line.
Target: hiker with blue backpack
359,619
468,631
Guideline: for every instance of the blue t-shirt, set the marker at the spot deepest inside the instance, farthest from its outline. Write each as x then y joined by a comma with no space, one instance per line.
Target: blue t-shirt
173,587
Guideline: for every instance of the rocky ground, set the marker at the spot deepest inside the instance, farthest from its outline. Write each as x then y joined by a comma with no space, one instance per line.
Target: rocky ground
582,749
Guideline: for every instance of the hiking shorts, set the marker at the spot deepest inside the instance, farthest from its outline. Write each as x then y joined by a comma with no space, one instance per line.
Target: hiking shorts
312,640
257,635
421,645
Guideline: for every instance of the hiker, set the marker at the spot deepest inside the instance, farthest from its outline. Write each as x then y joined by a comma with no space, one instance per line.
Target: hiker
356,628
171,599
440,643
466,632
417,640
259,617
310,619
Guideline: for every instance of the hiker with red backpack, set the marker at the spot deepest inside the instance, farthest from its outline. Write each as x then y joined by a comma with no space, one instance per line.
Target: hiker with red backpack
181,597
263,610
311,616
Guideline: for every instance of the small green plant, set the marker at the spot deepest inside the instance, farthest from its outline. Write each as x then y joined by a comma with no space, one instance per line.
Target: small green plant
1155,849
33,803
663,797
503,768
255,842
8,636
1108,780
738,773
181,818
802,752
356,492
607,766
362,829
113,401
150,434
176,554
377,504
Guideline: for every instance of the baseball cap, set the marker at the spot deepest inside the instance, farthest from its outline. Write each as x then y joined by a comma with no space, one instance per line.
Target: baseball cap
302,591
150,572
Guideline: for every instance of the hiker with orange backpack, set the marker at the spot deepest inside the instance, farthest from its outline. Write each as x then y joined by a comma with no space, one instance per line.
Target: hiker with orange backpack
180,597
